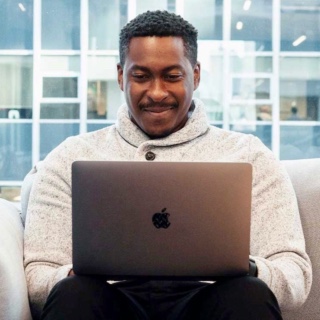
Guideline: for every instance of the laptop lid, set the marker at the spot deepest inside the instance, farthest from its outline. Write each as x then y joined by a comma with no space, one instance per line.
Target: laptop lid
163,220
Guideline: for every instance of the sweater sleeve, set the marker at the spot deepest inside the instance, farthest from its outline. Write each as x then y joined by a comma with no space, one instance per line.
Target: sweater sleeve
277,240
47,243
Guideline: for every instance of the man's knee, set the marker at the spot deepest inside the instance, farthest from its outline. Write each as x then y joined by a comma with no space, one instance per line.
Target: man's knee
79,297
252,286
247,289
237,298
78,284
83,290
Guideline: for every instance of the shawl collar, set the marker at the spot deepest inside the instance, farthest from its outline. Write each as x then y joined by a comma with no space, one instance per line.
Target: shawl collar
196,126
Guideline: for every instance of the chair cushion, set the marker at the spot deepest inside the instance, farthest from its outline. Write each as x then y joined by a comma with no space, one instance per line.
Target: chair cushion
26,189
14,304
305,177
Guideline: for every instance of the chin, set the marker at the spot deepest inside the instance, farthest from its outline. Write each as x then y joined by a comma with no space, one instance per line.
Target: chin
159,134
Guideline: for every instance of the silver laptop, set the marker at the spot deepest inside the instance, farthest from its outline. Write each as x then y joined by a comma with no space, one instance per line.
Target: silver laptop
161,220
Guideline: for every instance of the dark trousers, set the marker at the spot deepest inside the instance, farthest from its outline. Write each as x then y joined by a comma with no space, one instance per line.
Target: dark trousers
79,297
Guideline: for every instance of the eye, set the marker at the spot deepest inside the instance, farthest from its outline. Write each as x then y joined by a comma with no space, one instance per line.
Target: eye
173,77
140,76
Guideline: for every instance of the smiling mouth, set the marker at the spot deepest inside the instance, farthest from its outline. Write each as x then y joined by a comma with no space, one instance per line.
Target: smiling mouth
158,107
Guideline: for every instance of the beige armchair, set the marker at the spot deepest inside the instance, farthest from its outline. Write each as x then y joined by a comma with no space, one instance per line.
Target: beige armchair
305,176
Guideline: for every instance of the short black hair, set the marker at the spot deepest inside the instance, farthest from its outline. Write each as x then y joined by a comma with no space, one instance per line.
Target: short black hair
159,24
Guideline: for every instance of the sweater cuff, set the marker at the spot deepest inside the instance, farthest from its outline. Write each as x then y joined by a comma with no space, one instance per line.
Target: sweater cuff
61,273
263,271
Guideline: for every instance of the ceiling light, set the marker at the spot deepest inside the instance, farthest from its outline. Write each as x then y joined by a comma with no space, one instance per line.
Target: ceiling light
299,40
22,7
247,5
239,25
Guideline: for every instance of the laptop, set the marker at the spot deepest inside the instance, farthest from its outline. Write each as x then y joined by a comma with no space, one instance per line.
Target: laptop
161,220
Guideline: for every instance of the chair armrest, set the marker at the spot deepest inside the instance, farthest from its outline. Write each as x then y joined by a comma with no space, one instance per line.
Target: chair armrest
26,189
14,302
304,175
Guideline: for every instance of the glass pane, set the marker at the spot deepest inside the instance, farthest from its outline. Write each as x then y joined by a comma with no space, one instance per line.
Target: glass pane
15,87
207,17
11,194
210,89
251,25
264,112
61,25
60,63
250,88
51,135
251,64
263,132
151,5
96,126
60,111
300,25
300,89
106,18
63,87
247,112
16,24
97,99
299,142
172,6
15,150
104,95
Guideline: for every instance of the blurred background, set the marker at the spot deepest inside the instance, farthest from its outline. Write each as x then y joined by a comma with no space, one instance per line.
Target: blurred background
260,72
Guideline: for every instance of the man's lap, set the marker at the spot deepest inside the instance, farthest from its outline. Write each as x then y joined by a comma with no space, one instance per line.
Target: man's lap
142,299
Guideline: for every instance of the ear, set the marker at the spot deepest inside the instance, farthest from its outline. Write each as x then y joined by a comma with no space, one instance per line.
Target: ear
120,76
196,75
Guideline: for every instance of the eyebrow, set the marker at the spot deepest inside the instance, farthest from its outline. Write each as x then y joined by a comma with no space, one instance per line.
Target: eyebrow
167,69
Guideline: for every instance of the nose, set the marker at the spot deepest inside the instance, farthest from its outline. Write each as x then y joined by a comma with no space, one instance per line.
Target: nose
157,90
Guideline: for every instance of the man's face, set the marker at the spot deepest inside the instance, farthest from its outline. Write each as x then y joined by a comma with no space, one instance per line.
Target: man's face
158,81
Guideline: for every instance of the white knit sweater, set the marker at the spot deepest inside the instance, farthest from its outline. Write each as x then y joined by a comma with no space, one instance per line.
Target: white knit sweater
277,241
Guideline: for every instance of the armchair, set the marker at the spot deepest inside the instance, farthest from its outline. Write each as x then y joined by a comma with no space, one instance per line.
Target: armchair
304,174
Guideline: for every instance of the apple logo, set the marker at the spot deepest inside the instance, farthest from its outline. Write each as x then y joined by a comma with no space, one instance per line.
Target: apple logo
161,219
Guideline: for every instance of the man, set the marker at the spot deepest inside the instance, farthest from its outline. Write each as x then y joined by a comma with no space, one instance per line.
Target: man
158,72
294,114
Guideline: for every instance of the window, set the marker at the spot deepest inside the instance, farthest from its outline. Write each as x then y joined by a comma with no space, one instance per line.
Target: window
207,17
300,25
54,133
260,72
16,87
103,94
106,19
300,88
60,25
16,25
55,91
15,151
251,24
